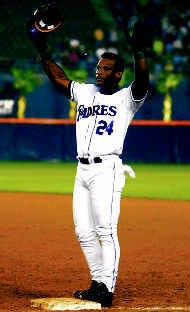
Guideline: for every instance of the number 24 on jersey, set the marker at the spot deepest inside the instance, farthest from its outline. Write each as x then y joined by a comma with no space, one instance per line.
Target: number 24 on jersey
104,127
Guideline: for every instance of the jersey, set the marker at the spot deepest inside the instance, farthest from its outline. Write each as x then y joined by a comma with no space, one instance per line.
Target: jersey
102,120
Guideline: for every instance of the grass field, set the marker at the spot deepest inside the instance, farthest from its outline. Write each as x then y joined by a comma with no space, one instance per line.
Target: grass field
165,181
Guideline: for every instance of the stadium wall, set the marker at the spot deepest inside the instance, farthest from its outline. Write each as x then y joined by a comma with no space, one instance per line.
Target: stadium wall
53,139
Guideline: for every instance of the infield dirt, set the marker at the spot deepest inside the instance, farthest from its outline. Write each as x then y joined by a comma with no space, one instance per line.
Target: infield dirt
41,257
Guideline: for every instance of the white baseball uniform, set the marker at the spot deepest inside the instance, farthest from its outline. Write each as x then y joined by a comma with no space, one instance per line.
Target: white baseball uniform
101,126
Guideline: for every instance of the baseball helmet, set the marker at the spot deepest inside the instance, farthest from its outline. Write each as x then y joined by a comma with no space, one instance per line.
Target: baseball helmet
47,17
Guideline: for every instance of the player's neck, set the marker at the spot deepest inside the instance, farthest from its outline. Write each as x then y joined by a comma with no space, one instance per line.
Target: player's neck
108,89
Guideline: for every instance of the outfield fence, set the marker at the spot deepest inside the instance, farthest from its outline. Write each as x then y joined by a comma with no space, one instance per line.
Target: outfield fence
54,139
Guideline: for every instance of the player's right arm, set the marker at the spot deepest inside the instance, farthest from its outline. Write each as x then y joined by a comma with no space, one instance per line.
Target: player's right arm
55,73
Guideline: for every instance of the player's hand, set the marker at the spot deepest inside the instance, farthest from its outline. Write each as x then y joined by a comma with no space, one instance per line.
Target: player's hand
45,19
136,31
33,33
38,39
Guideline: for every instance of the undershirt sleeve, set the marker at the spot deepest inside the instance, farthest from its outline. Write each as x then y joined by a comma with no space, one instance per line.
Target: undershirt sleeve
136,104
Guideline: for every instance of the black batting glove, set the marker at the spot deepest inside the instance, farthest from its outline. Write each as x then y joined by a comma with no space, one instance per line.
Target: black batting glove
136,33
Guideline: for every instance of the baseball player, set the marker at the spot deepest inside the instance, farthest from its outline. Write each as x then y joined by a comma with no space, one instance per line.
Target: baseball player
104,112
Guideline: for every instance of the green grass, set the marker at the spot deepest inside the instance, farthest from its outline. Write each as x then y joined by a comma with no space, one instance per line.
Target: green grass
166,181
37,176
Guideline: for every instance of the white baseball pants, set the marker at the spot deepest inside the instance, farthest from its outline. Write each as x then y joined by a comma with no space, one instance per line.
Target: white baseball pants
96,208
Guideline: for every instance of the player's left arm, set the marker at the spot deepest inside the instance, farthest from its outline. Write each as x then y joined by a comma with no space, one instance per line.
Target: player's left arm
141,72
141,82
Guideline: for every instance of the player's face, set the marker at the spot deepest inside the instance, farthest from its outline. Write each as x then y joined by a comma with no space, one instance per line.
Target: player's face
105,72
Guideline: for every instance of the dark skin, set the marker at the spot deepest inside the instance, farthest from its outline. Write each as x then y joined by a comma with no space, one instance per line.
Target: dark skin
107,77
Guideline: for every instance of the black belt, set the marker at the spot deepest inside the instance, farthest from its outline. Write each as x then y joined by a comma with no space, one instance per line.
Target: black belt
88,161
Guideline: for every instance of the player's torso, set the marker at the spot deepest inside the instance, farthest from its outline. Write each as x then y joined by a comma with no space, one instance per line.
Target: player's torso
102,122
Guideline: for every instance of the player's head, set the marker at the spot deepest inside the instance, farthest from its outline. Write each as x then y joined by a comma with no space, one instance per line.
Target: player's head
109,69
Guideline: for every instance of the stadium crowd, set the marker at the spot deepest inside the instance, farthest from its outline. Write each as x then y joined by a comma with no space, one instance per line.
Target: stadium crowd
168,37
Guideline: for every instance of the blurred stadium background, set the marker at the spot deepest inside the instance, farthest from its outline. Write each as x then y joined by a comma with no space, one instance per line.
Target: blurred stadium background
161,129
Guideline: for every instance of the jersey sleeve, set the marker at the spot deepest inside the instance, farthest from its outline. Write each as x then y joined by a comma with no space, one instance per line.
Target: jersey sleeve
75,90
135,104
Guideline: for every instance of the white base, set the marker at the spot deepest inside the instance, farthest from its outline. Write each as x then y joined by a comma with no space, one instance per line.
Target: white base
61,304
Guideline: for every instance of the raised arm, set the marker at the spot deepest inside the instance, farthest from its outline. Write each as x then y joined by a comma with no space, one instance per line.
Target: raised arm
141,82
55,73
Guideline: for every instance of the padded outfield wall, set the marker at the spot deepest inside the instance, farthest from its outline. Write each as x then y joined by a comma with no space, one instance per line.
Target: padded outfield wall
53,139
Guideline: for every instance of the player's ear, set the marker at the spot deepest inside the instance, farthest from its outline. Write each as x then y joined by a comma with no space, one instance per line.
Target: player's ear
118,75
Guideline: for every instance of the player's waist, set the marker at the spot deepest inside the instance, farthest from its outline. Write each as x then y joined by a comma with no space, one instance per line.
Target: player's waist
96,159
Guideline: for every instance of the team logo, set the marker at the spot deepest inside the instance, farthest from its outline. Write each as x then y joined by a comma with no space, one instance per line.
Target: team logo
101,110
